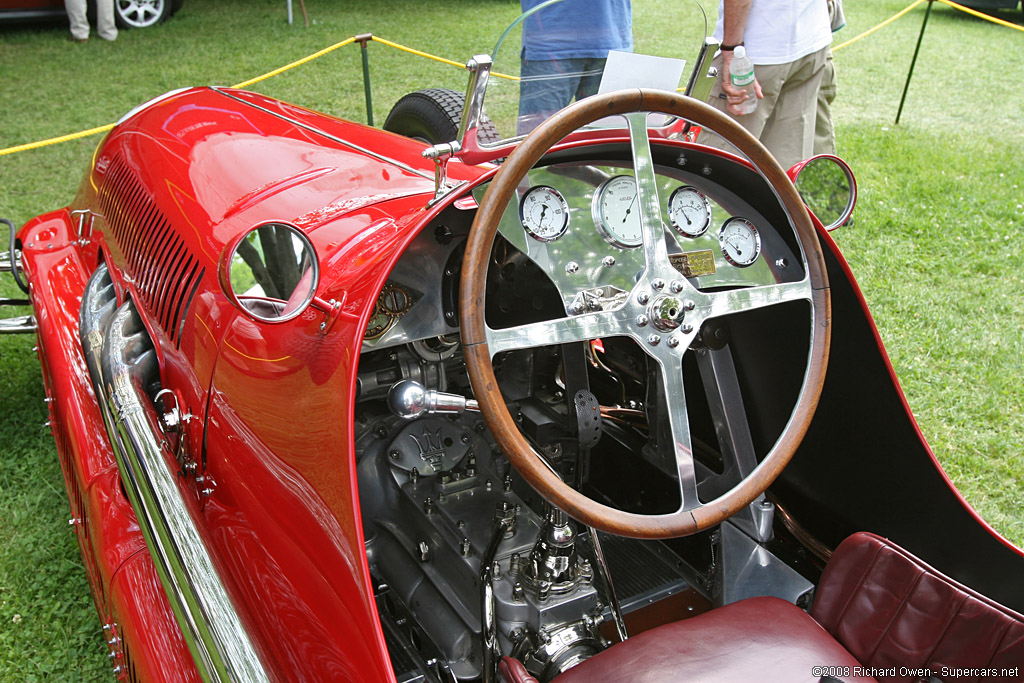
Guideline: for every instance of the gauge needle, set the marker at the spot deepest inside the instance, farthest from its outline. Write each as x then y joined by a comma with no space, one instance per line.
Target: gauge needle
629,209
739,252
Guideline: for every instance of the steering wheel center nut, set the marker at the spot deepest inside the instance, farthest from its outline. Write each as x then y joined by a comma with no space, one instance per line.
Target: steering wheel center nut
666,312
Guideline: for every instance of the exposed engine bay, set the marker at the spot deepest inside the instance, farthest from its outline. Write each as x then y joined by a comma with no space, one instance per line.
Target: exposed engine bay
469,561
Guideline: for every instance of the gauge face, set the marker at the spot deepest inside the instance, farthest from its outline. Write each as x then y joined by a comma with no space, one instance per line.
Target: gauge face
740,242
544,213
616,212
689,211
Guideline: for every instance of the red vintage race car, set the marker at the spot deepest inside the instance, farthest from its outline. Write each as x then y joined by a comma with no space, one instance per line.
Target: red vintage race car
454,403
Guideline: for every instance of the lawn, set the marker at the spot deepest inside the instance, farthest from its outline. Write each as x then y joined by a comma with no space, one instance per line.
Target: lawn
936,244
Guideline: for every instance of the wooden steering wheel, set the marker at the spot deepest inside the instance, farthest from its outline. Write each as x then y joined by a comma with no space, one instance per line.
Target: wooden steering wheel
651,299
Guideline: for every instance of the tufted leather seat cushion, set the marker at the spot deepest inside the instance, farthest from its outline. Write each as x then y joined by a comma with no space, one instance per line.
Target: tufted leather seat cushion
758,639
895,613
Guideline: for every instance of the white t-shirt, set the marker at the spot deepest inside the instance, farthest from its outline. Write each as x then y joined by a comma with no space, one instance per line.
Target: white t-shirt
781,31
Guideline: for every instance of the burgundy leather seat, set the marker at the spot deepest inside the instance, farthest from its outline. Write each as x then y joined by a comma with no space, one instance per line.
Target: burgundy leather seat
878,610
759,639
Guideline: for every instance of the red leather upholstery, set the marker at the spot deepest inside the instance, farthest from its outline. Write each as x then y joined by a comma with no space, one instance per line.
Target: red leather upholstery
891,610
513,671
759,639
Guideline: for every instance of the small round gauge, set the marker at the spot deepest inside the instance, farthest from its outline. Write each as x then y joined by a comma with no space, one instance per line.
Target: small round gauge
544,213
740,242
616,212
689,211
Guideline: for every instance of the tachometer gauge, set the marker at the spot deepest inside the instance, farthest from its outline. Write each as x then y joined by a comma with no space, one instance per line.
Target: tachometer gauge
689,211
740,242
544,213
616,213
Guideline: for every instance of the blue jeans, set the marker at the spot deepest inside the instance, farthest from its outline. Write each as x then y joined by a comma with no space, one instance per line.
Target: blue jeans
546,86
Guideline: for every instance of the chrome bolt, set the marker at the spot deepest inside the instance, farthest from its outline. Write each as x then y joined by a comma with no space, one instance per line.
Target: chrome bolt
572,267
428,506
673,342
687,328
608,261
690,304
654,340
643,298
517,591
658,283
466,548
577,307
676,286
642,320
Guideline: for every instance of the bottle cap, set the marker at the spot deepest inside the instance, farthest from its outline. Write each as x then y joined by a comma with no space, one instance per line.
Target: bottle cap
740,52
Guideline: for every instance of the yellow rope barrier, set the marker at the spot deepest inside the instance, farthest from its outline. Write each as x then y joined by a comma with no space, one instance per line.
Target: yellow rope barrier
55,141
435,57
304,60
418,53
982,15
882,25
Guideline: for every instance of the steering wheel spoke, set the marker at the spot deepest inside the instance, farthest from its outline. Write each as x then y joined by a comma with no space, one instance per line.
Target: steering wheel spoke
647,201
558,331
681,441
752,298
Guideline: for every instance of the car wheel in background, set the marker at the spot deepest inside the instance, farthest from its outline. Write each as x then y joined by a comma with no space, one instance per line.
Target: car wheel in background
432,116
143,13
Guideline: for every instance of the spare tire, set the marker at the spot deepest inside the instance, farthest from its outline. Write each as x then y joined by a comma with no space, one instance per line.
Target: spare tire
432,116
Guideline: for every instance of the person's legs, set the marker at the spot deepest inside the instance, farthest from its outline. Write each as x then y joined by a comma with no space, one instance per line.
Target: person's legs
79,22
105,26
824,131
789,133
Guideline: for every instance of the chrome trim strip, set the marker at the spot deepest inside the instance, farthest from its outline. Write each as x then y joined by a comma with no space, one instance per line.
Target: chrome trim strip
23,324
212,629
335,138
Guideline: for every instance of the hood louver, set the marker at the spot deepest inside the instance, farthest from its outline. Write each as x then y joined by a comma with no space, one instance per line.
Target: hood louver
165,273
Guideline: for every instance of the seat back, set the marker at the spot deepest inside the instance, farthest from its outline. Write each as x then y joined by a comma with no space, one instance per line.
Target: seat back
890,609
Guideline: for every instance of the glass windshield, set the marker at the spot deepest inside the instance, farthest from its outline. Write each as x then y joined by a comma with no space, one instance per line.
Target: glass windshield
558,51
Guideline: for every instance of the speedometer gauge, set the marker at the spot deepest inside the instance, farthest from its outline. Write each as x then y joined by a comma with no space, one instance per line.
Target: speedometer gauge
689,211
544,213
616,213
740,242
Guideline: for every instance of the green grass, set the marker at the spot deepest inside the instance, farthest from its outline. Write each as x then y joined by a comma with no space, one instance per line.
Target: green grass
936,244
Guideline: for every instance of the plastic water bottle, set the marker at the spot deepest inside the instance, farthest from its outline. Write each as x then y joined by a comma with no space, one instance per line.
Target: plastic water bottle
741,72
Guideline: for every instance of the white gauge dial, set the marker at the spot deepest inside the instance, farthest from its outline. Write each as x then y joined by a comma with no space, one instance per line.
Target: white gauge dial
740,241
544,213
616,212
689,211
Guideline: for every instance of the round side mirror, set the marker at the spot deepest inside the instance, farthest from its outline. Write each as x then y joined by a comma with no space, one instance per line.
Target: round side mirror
828,187
270,272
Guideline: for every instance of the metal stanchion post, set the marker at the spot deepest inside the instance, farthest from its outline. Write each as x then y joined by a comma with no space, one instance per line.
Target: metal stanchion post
363,39
913,61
